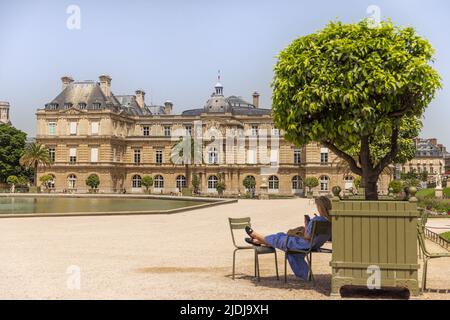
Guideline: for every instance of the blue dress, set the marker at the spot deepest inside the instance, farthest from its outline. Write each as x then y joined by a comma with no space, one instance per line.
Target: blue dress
297,261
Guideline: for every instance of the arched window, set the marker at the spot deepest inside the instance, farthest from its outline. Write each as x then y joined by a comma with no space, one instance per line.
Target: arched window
297,183
136,181
159,181
348,182
273,183
181,182
72,181
212,182
213,156
324,180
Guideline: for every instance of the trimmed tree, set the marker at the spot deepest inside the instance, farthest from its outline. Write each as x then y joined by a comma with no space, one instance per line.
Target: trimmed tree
196,183
93,181
45,180
311,182
12,181
249,183
358,90
396,185
12,146
147,182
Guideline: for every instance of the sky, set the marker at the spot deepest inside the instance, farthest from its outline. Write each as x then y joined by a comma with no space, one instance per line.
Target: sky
173,49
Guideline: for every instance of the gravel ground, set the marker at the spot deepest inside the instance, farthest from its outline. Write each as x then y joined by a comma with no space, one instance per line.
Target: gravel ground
182,256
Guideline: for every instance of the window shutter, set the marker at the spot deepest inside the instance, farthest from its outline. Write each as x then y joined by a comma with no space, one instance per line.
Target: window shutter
73,152
94,127
73,128
323,150
94,154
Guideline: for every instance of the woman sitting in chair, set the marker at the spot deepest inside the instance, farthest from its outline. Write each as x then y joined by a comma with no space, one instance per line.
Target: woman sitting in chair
297,239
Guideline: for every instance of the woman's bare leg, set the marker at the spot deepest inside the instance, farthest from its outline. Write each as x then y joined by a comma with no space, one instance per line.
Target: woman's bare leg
259,237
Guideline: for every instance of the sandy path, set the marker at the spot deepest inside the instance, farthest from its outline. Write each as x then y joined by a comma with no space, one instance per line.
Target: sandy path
181,256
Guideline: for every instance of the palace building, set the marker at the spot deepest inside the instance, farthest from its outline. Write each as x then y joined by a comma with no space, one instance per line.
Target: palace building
89,130
4,113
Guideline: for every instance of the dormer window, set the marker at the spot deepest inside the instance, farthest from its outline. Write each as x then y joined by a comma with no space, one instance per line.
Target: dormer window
68,105
96,106
53,106
82,106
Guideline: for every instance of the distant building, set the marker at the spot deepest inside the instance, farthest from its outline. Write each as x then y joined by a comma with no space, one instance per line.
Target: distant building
4,112
430,157
90,130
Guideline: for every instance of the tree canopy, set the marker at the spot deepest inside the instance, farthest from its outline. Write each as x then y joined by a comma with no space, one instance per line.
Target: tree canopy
12,145
359,90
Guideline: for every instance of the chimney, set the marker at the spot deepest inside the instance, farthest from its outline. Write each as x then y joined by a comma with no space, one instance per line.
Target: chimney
256,99
140,98
105,84
168,106
66,80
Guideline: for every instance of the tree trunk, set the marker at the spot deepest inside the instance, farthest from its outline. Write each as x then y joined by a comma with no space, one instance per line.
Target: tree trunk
371,188
369,175
35,174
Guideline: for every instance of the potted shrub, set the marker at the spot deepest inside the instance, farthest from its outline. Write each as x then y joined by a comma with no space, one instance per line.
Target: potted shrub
249,184
310,183
93,181
221,187
328,88
196,183
147,182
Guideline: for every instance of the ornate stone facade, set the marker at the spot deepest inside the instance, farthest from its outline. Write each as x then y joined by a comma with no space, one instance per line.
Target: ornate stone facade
4,113
89,130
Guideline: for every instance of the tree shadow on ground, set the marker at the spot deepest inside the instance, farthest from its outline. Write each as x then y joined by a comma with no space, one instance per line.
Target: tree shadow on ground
321,286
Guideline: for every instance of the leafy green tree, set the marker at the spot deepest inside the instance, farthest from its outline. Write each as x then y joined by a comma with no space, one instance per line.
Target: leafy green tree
34,155
12,146
311,182
424,176
93,181
147,182
358,90
409,175
249,183
196,183
12,181
396,186
221,187
45,180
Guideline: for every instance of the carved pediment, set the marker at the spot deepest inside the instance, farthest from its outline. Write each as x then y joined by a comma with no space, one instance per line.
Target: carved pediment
72,111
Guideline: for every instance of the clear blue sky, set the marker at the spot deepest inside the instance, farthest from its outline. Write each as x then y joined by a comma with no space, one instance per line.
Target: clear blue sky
173,49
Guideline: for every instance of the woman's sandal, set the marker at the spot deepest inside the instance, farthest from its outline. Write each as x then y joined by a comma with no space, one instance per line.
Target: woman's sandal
250,241
249,231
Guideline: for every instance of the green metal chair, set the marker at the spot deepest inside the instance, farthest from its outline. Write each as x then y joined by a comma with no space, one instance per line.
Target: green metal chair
426,254
318,228
240,224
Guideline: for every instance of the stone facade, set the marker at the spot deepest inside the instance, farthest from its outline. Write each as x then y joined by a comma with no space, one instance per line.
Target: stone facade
89,130
430,157
4,113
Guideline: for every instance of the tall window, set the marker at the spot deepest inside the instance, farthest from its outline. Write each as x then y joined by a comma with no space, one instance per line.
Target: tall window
324,180
94,154
73,128
167,131
213,156
73,155
137,156
274,183
52,128
297,156
72,181
181,182
254,130
323,156
159,156
52,154
146,131
51,183
159,182
136,181
94,128
431,169
297,183
212,182
275,132
188,130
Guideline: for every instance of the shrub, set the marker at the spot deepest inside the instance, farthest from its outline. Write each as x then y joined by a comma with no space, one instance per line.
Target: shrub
147,182
93,181
311,182
396,186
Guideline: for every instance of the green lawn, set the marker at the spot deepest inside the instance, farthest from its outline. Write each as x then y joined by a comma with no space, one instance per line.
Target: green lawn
446,235
429,193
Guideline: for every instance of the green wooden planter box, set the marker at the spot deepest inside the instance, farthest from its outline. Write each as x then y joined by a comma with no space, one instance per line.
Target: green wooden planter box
374,233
